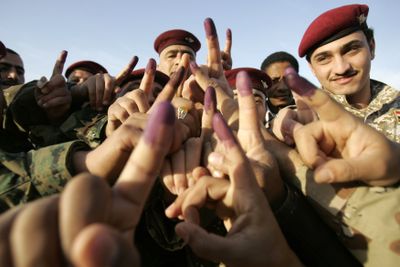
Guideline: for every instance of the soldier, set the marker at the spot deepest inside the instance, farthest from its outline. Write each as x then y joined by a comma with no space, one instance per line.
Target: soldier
261,83
278,95
339,47
80,71
12,70
172,45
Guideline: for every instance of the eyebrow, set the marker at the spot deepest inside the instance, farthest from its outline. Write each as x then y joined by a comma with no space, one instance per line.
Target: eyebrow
184,51
344,47
8,65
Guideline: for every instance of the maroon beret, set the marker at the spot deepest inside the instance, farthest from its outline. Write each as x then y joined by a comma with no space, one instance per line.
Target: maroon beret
2,50
176,37
86,65
332,25
159,78
259,79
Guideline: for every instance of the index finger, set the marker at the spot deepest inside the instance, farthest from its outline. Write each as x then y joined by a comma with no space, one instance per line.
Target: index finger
168,92
326,108
146,84
143,166
59,65
248,115
126,71
228,41
214,53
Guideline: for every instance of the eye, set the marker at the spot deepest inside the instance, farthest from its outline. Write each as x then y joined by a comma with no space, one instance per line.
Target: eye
322,59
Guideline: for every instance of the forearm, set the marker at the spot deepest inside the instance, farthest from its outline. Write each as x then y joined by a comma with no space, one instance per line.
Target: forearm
308,236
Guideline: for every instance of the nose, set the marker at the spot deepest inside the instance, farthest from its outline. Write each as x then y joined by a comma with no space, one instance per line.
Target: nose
12,74
178,58
341,65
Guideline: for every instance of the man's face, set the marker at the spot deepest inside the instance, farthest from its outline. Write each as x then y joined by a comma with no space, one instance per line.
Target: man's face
259,98
171,56
79,76
279,95
12,71
343,66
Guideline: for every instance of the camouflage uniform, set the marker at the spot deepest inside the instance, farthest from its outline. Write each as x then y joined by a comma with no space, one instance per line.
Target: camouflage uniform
27,176
25,124
366,219
382,113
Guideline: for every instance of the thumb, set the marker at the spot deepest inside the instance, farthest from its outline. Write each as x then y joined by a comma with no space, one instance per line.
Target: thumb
100,245
205,245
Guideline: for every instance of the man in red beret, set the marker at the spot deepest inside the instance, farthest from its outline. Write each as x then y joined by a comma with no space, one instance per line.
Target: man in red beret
136,76
171,45
260,82
12,71
80,71
339,47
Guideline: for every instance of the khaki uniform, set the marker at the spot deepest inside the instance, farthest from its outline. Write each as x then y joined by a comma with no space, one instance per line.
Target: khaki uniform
382,113
366,219
27,176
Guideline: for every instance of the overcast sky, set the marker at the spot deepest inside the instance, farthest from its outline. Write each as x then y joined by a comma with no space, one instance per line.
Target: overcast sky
111,32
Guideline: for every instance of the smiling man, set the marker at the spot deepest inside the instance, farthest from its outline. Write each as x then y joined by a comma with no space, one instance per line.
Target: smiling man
339,47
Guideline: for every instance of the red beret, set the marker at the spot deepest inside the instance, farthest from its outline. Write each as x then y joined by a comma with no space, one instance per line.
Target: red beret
259,79
86,65
160,77
332,25
176,37
3,51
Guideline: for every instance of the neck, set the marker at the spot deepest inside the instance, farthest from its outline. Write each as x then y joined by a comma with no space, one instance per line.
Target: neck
362,98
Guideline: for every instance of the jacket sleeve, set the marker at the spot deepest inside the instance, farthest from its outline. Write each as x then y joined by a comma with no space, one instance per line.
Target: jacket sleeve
36,173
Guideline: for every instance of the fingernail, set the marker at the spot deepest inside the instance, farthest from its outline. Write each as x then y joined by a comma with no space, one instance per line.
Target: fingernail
324,176
163,114
151,66
63,56
107,249
209,27
133,62
215,159
229,33
222,130
193,66
297,83
210,100
243,84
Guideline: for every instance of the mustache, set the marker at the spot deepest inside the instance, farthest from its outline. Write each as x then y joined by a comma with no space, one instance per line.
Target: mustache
8,82
346,74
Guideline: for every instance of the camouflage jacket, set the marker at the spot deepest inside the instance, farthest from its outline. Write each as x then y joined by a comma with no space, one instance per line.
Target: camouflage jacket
366,219
27,176
382,113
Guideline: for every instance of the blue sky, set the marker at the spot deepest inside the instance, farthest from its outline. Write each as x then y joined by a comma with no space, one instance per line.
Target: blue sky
111,32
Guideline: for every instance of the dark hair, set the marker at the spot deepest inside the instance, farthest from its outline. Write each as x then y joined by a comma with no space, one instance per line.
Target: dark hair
280,56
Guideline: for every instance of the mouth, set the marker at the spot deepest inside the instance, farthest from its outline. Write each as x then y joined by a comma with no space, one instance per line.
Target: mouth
345,79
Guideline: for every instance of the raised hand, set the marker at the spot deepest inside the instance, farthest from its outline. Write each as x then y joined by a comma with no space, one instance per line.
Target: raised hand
340,147
53,95
90,224
254,238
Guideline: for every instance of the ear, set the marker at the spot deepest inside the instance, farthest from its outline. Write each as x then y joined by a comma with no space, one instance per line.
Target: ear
372,48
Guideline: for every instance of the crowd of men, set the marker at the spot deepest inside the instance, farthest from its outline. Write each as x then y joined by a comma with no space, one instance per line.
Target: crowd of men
181,164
